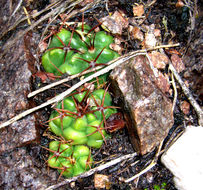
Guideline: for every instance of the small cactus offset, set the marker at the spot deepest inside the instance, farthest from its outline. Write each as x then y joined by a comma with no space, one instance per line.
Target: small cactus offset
80,118
69,160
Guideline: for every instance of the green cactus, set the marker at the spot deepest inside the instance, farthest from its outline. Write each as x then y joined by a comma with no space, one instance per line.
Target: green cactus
76,51
80,118
69,160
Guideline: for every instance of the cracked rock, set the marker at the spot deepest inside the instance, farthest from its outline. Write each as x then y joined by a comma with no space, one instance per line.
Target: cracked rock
147,108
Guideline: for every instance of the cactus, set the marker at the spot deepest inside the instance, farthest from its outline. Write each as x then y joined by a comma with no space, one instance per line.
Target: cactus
76,51
69,160
81,117
82,120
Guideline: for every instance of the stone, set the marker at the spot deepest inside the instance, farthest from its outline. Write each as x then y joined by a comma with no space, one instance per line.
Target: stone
177,63
101,181
136,33
157,32
185,107
148,111
163,82
14,86
158,59
138,10
20,169
115,23
184,159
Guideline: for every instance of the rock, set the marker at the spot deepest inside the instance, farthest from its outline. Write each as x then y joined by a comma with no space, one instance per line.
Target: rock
101,181
115,23
148,110
18,170
5,15
184,159
138,10
177,63
185,107
163,82
158,59
136,33
157,32
14,86
193,61
179,4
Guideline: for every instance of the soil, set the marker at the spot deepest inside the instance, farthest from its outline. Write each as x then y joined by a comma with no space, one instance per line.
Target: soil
119,143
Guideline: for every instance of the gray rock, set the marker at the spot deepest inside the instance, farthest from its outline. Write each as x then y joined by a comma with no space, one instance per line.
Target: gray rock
14,86
20,170
147,108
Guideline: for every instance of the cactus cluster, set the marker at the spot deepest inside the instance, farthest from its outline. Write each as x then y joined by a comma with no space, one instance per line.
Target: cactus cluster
80,118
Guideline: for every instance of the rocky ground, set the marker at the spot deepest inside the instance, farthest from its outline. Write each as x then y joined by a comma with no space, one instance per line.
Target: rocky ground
141,87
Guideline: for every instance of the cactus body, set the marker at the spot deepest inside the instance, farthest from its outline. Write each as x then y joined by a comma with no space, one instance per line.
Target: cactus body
83,127
69,160
69,52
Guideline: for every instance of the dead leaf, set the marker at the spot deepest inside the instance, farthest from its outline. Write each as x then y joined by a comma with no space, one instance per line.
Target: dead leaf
42,46
150,40
172,51
137,33
20,105
116,48
44,76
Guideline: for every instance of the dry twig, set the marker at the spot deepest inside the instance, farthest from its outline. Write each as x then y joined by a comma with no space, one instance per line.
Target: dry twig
150,166
65,5
61,82
80,74
92,171
58,98
48,8
16,9
188,94
175,92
